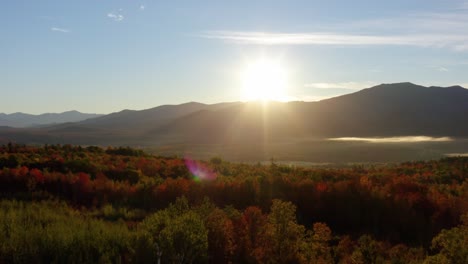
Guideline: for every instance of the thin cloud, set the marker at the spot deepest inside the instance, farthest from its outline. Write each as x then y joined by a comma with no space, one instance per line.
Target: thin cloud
115,16
62,30
442,69
142,7
456,154
458,42
340,85
424,29
407,139
462,47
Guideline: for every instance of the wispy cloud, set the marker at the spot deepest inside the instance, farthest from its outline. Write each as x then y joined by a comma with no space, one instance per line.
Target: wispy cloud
340,85
461,47
62,30
442,69
142,7
441,30
407,139
457,42
456,154
115,16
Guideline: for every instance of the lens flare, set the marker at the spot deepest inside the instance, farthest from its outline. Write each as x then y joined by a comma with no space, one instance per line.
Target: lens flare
200,171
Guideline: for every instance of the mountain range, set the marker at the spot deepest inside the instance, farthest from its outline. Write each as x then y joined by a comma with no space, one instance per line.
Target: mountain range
386,110
28,120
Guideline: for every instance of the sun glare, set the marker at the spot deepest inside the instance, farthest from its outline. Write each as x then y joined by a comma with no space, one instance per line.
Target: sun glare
264,80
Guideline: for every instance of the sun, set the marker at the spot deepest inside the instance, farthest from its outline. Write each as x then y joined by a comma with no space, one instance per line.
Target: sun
264,80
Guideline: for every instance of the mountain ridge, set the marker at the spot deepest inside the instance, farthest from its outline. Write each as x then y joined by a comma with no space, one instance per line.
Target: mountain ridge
20,119
397,109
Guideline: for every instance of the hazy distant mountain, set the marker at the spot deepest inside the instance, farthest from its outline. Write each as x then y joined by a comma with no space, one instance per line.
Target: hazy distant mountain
149,118
28,120
396,110
399,109
385,110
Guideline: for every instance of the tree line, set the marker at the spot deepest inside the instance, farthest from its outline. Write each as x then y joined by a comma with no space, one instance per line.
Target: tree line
143,208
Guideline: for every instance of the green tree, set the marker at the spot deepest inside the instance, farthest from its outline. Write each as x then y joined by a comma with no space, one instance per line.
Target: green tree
177,234
284,233
185,239
317,244
452,244
367,251
152,228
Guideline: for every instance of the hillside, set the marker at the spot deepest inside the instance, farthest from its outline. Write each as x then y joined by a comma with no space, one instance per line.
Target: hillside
28,120
386,110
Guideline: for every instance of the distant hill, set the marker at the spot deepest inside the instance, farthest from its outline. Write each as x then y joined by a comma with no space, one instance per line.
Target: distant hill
386,110
148,118
28,120
396,110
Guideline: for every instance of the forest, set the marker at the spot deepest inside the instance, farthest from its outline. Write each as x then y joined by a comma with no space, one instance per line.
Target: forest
74,204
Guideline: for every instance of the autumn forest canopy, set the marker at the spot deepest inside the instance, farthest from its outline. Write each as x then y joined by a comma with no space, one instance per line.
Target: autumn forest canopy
63,203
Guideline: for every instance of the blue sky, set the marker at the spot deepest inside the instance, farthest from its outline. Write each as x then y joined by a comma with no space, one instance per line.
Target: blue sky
103,56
